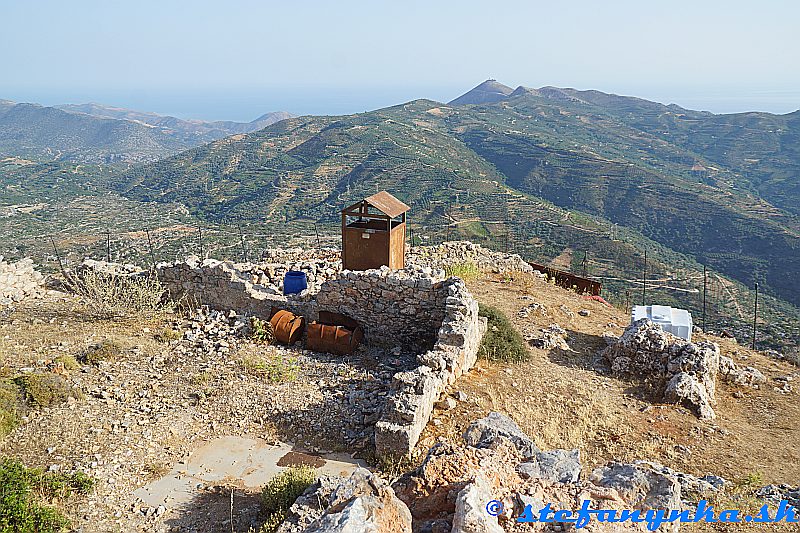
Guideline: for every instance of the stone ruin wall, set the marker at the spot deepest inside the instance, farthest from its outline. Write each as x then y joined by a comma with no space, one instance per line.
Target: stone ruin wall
414,393
19,280
413,306
394,307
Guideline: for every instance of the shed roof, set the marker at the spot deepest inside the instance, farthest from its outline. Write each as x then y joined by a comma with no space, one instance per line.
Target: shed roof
385,203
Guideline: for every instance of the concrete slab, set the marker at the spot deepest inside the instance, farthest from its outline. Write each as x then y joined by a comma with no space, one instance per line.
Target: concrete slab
237,460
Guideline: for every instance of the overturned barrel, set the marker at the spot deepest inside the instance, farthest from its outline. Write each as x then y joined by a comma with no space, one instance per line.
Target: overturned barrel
287,326
334,333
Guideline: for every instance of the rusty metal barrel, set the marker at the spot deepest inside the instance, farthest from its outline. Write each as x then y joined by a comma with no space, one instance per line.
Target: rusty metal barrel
287,326
333,339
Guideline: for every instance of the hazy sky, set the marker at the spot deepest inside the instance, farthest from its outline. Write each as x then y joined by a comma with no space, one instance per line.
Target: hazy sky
237,59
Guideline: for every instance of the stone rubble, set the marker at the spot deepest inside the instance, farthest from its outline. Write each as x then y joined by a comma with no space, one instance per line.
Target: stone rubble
551,337
459,252
686,371
19,280
449,491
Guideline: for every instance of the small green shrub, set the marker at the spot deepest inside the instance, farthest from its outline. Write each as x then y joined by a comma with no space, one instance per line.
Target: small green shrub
21,512
275,368
44,389
10,406
281,491
501,342
262,331
69,362
103,351
752,480
466,270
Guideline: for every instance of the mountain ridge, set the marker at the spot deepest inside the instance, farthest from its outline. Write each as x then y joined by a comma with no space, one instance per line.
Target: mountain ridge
107,135
226,127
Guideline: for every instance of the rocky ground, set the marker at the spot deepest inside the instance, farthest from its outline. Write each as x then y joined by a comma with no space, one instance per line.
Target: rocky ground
567,396
167,385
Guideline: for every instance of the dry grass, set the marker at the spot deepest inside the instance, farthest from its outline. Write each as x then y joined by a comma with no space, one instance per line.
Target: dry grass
565,399
121,296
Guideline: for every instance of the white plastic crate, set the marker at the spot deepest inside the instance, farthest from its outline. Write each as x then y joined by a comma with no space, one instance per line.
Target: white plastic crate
675,321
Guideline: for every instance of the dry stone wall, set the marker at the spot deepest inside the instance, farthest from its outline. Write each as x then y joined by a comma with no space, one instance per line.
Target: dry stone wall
394,306
223,285
412,307
18,281
414,393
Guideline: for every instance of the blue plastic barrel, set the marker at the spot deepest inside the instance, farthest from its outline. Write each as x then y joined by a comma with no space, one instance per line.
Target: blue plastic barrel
294,281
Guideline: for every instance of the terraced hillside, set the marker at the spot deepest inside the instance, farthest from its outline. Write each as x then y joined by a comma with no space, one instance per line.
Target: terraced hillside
581,180
539,175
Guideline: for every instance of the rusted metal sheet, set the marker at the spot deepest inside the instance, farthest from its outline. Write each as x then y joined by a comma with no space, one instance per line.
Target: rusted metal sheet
365,245
570,281
287,326
387,203
334,333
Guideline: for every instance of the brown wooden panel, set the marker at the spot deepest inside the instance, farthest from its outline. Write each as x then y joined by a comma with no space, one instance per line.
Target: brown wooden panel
365,248
397,251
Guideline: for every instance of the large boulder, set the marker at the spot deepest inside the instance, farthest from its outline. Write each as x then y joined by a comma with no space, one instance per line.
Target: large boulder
432,489
686,371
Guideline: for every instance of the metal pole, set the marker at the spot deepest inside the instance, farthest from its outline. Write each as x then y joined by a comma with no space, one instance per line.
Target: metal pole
200,242
755,317
108,246
705,286
585,261
150,246
644,279
58,256
244,246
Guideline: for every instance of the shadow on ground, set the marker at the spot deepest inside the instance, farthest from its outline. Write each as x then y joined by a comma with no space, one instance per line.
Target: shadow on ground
210,512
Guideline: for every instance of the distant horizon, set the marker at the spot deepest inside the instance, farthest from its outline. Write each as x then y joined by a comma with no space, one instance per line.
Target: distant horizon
245,105
237,60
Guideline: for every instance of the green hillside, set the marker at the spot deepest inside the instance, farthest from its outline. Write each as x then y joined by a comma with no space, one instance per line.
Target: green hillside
577,179
548,178
102,135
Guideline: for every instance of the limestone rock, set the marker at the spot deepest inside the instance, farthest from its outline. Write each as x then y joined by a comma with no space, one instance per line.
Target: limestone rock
684,388
687,370
556,466
640,485
486,433
363,503
470,513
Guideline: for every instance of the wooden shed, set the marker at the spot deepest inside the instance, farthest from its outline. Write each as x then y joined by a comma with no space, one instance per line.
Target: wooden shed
374,233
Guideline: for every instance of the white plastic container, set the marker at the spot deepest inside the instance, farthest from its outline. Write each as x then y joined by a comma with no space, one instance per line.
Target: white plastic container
675,321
